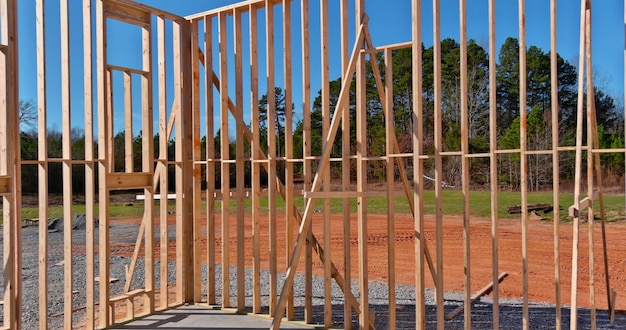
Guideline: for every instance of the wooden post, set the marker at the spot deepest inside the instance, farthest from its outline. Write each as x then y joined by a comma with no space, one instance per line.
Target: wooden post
345,166
418,169
67,164
90,168
103,163
555,163
256,166
225,166
239,170
42,153
210,157
306,152
197,169
390,139
163,162
493,159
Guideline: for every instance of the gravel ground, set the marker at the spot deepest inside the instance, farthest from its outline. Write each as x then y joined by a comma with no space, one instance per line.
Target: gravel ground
542,316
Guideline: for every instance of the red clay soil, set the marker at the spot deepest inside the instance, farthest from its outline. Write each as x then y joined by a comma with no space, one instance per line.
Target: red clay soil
540,254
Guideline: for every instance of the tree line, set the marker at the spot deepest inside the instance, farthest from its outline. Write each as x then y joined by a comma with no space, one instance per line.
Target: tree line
538,109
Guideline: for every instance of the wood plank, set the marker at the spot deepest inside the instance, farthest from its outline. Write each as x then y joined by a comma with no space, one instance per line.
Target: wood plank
224,152
5,185
239,165
67,166
288,138
271,141
127,13
126,181
163,157
493,159
197,170
152,10
325,94
306,138
42,155
90,173
475,297
103,162
111,67
147,149
418,168
345,164
210,154
389,148
556,173
255,145
178,157
128,123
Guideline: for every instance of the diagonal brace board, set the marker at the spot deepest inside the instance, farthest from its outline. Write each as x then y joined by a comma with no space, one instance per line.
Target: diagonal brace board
340,111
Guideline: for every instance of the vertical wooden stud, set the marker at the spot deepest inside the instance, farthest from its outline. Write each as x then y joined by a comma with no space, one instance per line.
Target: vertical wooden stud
256,157
345,166
90,170
493,160
554,86
210,156
325,93
523,158
197,169
390,139
177,45
225,166
163,163
271,140
128,122
239,165
418,181
289,188
42,153
103,163
67,164
147,166
306,152
438,162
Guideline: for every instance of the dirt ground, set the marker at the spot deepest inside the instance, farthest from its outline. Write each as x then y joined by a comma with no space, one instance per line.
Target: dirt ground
541,268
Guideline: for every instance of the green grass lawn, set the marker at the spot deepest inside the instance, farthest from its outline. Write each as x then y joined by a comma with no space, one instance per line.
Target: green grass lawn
452,205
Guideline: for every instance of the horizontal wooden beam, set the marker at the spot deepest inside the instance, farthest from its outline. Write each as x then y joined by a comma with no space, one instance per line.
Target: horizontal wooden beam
584,203
126,181
145,8
126,13
5,185
129,70
349,194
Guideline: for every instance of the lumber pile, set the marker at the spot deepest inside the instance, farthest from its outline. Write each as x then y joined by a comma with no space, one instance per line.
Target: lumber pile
531,207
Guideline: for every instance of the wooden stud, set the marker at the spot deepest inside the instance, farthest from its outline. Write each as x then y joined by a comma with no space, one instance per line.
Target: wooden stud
90,170
590,164
163,158
418,169
389,131
493,160
465,165
271,141
345,165
239,169
288,138
577,173
325,93
225,167
438,162
197,170
128,122
147,166
178,157
256,166
210,154
67,165
103,162
306,152
42,153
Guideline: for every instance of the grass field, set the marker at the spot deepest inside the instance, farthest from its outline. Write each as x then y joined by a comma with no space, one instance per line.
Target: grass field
452,205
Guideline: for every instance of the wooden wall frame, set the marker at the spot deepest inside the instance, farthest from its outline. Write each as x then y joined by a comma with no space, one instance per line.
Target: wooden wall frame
210,75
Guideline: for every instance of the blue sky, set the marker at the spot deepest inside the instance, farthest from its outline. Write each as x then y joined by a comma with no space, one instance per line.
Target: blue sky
390,22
